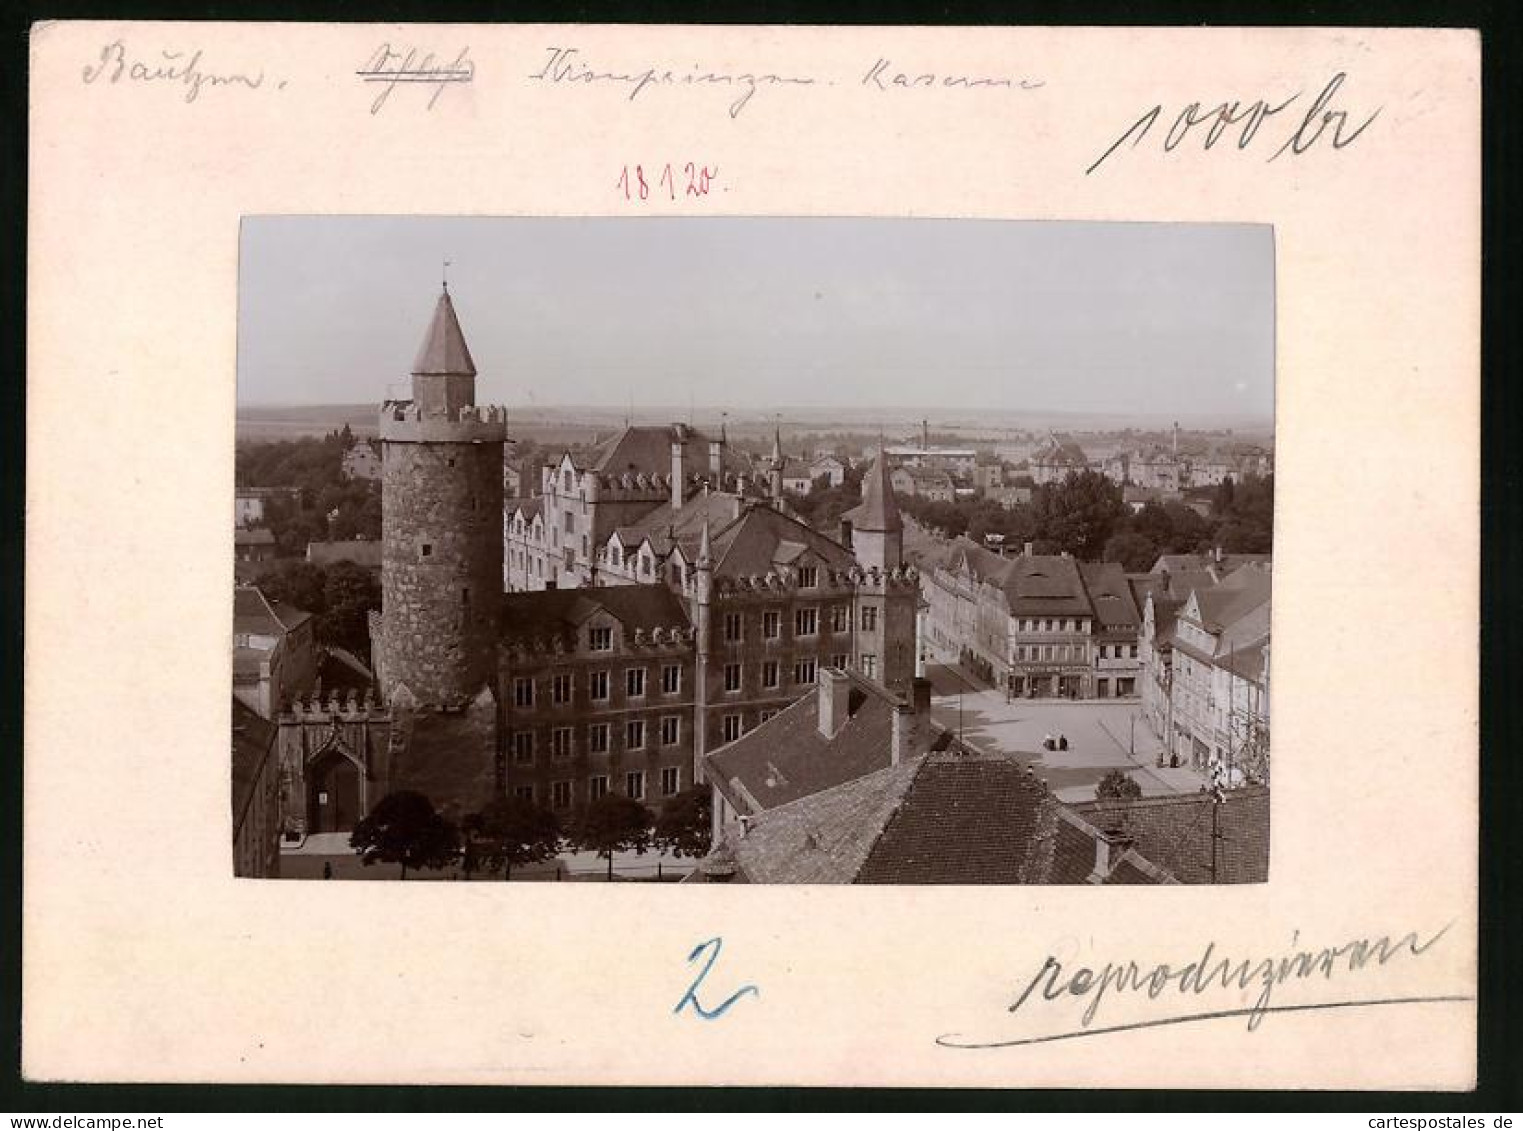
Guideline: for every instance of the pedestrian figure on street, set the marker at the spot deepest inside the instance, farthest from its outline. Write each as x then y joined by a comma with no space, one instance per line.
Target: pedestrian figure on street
1062,742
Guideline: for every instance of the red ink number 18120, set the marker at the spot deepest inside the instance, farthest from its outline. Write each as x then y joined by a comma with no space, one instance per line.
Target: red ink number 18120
671,182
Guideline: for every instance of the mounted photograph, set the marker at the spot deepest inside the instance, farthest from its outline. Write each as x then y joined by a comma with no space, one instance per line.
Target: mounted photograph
768,551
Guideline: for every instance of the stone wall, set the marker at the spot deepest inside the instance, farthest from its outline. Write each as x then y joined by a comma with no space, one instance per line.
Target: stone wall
441,575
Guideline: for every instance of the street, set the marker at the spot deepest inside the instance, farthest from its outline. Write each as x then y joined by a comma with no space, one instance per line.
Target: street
1102,735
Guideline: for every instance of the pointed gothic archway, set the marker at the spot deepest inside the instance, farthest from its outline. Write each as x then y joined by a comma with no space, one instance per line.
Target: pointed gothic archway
335,797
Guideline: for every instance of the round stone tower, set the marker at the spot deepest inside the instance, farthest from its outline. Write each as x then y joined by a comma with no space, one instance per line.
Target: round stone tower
441,526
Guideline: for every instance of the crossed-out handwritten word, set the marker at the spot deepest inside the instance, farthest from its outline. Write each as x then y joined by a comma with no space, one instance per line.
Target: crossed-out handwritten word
690,998
392,66
668,182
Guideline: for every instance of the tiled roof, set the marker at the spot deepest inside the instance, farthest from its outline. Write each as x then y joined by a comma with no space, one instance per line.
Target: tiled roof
254,613
1061,450
788,758
529,508
1110,595
1176,834
253,743
878,511
666,527
750,545
967,819
1223,605
258,536
1178,563
363,552
549,612
444,349
825,837
1042,584
648,448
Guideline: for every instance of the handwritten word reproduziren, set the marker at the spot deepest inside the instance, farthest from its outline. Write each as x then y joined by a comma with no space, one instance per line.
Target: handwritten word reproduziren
392,67
116,65
1247,120
1209,973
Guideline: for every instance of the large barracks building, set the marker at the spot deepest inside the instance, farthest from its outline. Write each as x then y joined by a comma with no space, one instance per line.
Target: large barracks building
677,604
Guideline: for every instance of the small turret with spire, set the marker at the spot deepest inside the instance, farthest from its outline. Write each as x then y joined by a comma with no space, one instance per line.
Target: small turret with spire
776,465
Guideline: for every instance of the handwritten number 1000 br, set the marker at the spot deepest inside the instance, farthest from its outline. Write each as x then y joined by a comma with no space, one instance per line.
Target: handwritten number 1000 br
690,180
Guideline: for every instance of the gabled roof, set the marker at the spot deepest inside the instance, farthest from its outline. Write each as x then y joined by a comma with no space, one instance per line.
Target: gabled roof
549,612
254,613
444,349
788,758
1179,833
1045,584
753,542
1180,563
253,743
1061,450
667,527
648,448
878,512
1110,595
362,552
528,508
967,819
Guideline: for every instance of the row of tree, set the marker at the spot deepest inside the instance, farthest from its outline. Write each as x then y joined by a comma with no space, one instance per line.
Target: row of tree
1085,516
510,832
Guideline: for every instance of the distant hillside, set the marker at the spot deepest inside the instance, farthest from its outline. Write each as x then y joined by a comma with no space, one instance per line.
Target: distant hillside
292,422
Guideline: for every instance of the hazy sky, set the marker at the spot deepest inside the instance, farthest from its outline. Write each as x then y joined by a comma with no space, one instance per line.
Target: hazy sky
752,314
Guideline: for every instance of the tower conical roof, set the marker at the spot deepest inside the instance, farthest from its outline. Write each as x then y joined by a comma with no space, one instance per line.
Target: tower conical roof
444,349
878,511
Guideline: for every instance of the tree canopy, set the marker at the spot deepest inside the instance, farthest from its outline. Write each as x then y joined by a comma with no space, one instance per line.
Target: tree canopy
339,596
404,829
614,823
685,826
1117,785
511,831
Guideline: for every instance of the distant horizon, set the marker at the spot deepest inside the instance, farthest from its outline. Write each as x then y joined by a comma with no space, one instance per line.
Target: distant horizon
1164,321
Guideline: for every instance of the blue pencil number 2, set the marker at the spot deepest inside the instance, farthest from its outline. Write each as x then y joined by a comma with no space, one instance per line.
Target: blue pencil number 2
690,998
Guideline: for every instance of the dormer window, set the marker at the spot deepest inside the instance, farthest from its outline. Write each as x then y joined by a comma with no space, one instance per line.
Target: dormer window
809,576
600,639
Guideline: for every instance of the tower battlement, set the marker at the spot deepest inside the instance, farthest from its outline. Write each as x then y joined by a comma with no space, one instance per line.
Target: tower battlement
403,422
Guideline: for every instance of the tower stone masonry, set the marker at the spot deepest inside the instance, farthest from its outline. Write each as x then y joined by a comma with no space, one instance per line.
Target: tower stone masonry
441,526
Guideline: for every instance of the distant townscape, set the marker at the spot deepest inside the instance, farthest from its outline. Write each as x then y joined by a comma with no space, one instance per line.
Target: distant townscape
472,645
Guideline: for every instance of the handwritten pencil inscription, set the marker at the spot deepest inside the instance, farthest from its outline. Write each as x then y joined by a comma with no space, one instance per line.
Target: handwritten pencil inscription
391,67
1209,974
118,64
1321,119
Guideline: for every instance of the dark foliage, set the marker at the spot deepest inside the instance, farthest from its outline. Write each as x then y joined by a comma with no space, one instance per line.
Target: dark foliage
685,826
614,823
510,831
404,829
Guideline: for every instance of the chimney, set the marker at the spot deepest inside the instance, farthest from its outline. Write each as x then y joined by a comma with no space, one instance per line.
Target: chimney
1110,846
716,464
920,697
677,477
900,741
834,689
1216,555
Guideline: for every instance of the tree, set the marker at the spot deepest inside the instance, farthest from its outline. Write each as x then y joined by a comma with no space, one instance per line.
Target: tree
1117,785
350,592
1079,514
1135,552
299,584
614,823
404,829
513,831
685,827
